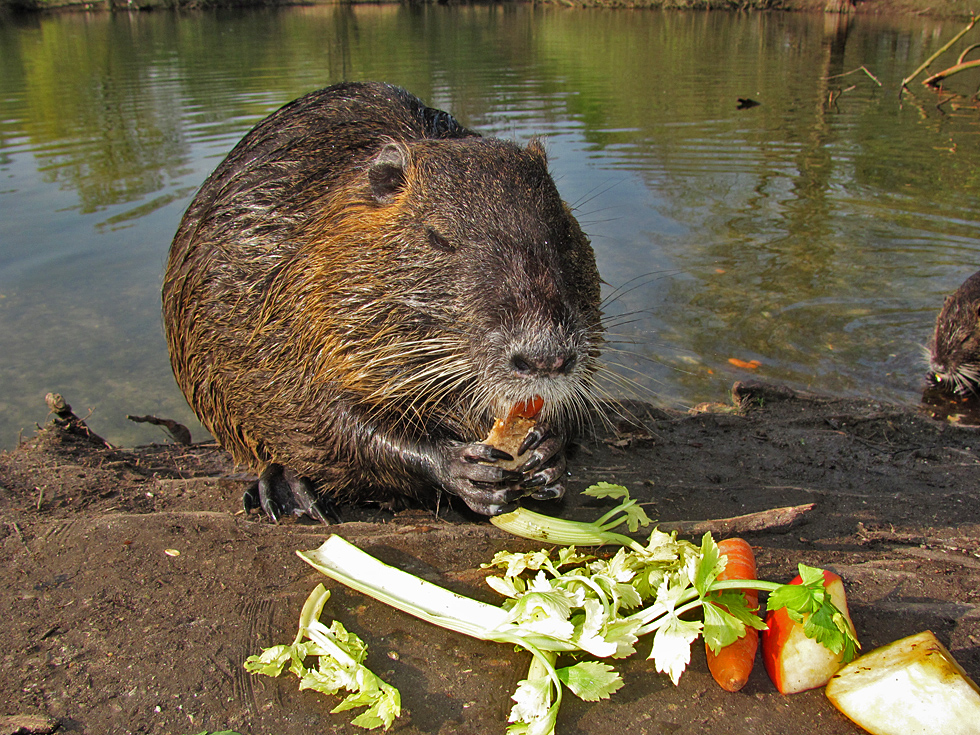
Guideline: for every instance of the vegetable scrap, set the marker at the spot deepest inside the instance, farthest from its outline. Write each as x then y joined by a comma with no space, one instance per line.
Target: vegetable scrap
731,665
555,601
806,643
508,434
911,685
340,655
745,364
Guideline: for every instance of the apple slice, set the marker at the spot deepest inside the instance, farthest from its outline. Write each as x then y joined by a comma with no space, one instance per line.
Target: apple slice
911,686
794,662
508,433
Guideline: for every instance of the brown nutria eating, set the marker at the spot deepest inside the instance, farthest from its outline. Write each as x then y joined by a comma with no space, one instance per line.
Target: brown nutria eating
362,286
954,352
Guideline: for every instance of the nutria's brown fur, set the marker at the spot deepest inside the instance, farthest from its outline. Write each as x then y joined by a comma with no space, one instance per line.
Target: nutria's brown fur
954,352
363,284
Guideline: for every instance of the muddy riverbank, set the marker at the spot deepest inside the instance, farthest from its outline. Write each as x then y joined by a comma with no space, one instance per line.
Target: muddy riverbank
135,587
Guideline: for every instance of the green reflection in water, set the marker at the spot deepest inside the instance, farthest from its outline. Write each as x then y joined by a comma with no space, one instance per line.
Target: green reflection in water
816,232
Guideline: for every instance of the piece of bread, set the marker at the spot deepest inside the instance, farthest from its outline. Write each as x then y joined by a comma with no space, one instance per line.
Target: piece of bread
508,433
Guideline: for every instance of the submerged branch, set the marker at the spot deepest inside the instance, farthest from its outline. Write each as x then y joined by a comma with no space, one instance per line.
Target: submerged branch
935,79
973,21
855,71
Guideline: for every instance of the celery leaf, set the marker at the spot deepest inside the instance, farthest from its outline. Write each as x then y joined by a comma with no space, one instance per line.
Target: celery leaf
607,490
591,680
339,666
671,652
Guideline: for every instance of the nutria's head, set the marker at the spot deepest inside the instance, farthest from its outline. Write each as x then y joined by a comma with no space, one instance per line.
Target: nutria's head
442,282
954,352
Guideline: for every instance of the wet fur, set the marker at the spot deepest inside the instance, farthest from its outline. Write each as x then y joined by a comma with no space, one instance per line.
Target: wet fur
954,352
347,290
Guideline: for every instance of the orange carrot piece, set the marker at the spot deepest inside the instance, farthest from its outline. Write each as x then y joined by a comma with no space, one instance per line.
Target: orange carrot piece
732,665
740,565
528,409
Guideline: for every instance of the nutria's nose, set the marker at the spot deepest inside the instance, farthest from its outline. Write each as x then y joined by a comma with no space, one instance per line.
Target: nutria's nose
542,365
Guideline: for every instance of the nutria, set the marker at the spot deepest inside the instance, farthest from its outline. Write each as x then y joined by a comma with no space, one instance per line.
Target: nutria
954,352
361,286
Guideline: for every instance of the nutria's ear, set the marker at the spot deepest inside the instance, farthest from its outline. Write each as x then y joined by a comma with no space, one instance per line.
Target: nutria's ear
536,148
387,172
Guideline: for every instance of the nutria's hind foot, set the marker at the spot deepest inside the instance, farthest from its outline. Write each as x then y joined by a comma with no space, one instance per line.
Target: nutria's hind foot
279,491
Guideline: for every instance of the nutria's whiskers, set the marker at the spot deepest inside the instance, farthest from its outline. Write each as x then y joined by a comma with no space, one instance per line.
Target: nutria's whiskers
634,284
963,379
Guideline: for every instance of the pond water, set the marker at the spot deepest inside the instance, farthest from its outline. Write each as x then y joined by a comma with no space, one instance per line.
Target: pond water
814,234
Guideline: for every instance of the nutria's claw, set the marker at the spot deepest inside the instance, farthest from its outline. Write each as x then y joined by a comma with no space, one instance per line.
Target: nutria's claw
472,473
279,490
546,450
475,453
552,492
491,474
490,507
546,481
489,501
252,500
545,467
534,437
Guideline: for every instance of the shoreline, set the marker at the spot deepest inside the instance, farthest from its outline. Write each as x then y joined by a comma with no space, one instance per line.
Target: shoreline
951,8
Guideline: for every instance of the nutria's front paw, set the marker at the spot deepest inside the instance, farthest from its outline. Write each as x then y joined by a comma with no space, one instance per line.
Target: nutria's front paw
280,491
474,472
543,463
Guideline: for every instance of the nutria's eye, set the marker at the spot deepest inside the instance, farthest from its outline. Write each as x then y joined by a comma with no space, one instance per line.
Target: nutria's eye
440,243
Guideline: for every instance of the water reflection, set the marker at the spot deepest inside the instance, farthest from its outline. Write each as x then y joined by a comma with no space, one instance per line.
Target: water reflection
815,233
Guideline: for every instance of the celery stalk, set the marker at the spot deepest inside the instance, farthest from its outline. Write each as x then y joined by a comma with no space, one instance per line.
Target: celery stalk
340,666
343,561
528,524
538,527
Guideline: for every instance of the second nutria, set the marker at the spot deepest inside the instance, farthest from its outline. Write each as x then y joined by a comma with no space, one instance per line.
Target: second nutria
954,352
362,285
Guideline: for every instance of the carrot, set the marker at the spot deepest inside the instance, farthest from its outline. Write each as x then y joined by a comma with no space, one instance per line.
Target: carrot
732,665
528,409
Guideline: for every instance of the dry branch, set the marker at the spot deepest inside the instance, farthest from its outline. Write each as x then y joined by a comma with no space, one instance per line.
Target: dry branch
774,519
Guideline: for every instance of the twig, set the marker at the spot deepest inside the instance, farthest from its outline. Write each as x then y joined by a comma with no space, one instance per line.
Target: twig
178,432
870,537
775,519
855,71
19,535
836,94
973,21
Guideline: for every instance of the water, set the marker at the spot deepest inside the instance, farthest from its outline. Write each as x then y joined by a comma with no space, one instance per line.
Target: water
816,233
